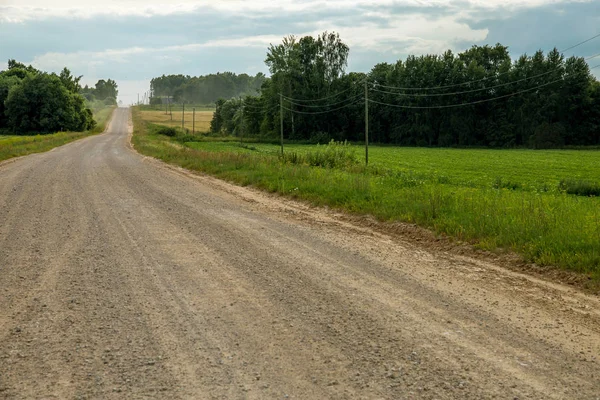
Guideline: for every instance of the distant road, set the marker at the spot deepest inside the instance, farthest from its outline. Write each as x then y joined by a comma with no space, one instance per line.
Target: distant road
122,278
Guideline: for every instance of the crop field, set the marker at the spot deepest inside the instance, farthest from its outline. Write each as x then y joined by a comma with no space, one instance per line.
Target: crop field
174,118
527,170
496,200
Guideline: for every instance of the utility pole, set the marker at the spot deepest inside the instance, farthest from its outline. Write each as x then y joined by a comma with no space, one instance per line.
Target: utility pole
193,121
138,103
242,127
366,123
281,119
183,115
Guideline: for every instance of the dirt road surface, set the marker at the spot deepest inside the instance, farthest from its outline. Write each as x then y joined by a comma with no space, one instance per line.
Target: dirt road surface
121,278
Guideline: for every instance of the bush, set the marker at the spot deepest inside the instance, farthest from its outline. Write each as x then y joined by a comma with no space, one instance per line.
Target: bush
88,97
156,101
579,187
333,155
186,137
500,183
41,103
167,131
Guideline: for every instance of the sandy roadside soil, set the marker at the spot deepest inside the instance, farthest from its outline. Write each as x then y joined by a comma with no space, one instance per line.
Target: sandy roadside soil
123,278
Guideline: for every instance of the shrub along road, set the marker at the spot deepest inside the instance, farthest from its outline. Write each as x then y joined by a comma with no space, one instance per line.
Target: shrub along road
123,278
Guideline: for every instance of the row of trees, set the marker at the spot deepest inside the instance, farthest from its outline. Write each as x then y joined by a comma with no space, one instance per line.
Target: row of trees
105,91
479,97
204,89
36,101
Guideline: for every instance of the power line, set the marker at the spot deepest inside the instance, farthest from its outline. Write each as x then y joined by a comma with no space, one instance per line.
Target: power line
258,111
325,105
472,90
462,104
320,112
580,43
483,79
252,106
473,102
463,92
322,98
594,56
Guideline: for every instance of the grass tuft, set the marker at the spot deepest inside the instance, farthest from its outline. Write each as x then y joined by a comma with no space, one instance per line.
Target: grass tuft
579,187
333,155
500,183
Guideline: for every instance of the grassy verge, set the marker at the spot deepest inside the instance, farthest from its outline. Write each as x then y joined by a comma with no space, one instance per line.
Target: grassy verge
17,145
546,227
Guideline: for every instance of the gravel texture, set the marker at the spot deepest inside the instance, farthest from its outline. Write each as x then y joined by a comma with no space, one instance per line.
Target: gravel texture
121,277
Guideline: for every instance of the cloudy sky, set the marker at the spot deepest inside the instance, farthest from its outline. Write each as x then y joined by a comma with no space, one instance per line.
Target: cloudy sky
132,41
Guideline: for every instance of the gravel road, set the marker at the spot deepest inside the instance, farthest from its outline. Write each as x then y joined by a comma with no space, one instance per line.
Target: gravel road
122,278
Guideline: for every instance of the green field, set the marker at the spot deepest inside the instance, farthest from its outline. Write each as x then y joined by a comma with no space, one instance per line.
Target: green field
495,199
528,170
21,145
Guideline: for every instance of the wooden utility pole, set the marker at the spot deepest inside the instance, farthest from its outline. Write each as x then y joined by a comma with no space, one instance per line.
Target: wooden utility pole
366,123
193,121
183,115
242,127
281,119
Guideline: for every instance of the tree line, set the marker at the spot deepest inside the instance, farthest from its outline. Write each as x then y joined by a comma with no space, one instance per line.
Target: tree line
105,91
33,101
204,89
479,97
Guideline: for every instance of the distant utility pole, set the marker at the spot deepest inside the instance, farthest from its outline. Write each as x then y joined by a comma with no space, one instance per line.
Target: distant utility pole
193,121
183,115
366,123
138,103
242,127
281,119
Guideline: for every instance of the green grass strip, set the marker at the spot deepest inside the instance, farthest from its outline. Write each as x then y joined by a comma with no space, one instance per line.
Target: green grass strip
22,145
548,228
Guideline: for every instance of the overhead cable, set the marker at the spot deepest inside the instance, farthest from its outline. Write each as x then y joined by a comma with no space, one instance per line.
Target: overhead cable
323,98
472,102
468,91
462,92
321,112
580,43
326,105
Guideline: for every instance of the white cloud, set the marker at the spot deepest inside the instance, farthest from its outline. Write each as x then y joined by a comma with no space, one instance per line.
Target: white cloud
22,10
417,32
86,60
391,29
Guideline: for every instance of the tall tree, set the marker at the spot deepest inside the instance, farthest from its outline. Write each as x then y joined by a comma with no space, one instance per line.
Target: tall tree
42,104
